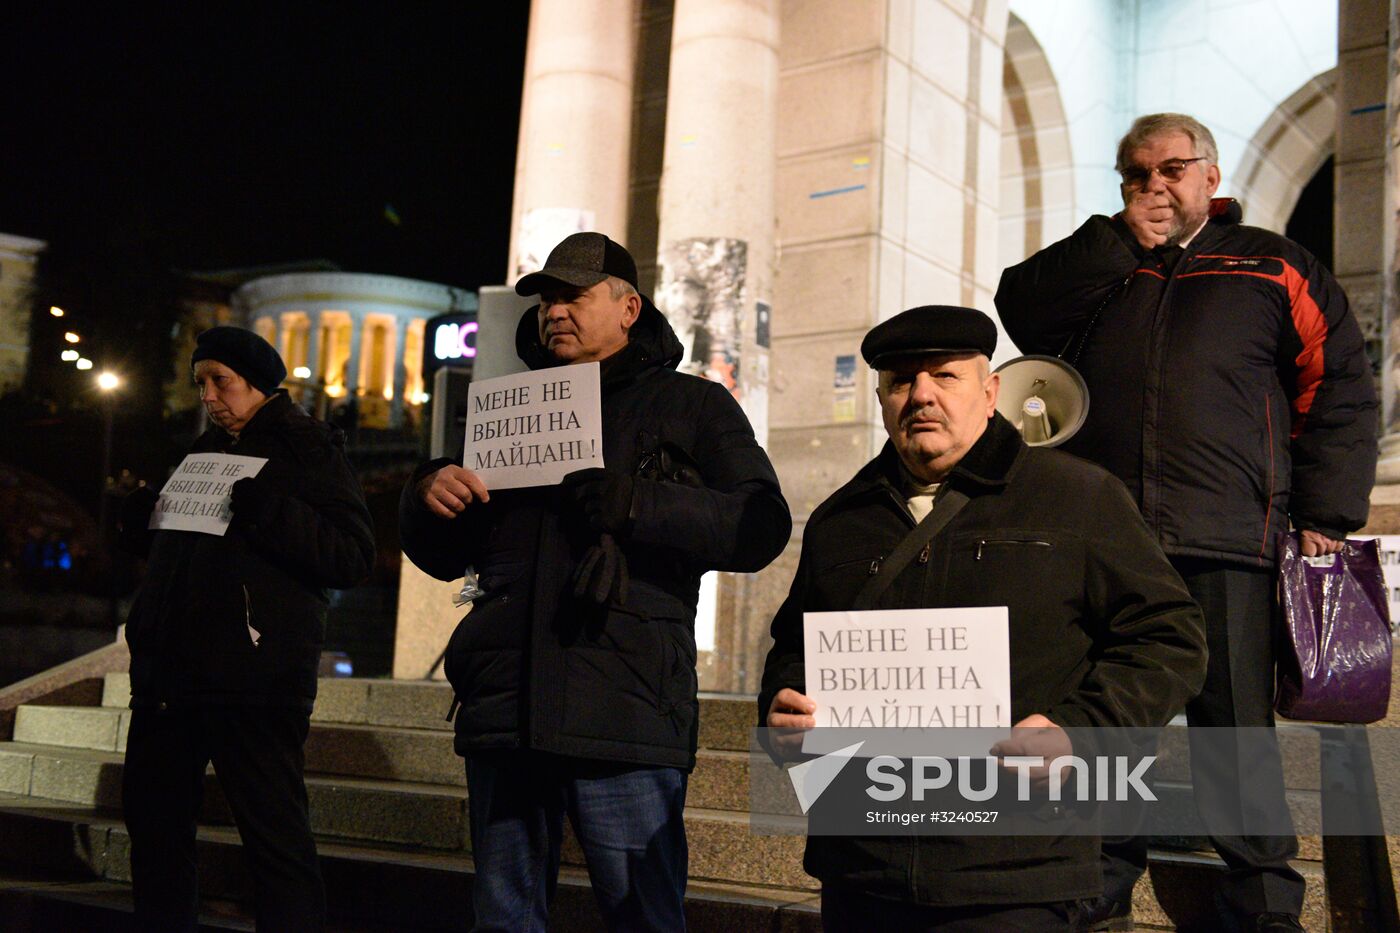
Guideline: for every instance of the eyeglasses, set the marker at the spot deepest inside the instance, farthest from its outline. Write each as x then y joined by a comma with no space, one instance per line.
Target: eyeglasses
1135,176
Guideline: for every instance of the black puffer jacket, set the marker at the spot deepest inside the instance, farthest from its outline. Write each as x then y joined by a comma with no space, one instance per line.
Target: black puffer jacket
535,668
1230,390
189,626
1102,633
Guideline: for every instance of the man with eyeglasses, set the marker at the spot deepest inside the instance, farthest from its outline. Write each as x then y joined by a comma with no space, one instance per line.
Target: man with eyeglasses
1231,391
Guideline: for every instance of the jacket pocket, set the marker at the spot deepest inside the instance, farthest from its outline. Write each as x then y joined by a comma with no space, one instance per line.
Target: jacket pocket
987,547
676,698
1030,571
478,640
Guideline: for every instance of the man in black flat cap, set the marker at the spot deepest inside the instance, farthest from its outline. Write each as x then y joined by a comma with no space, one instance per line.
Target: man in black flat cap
1102,631
576,669
225,636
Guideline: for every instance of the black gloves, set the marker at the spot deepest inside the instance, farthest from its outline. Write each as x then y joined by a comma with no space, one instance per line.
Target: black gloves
602,574
603,497
250,496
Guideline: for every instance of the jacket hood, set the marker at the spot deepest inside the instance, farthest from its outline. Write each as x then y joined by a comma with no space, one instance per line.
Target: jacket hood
650,343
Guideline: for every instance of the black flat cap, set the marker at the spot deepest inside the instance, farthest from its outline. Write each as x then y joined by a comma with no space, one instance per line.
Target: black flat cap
245,353
929,329
582,260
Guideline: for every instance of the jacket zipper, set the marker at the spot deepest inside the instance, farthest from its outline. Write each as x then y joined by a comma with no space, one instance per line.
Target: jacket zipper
985,542
253,634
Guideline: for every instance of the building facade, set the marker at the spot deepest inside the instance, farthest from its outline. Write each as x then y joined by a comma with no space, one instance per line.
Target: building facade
17,257
789,173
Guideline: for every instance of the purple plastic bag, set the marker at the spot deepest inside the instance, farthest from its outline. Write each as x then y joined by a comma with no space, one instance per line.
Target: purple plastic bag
1334,663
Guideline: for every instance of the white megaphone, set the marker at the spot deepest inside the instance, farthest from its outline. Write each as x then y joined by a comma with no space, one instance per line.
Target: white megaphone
1044,397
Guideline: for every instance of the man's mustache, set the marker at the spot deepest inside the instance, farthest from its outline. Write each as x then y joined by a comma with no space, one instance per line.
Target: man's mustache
926,414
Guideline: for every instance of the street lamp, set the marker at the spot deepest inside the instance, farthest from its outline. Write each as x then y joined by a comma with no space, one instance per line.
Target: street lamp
84,363
107,383
71,337
56,311
69,356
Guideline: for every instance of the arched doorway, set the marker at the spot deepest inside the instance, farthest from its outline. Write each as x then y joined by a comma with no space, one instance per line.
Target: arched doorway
1037,172
1286,152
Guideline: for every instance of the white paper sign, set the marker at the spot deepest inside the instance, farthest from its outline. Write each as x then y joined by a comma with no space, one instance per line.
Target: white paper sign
1390,567
909,668
196,497
535,428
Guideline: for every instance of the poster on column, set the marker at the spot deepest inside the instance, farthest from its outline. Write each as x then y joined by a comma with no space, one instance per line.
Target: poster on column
198,493
700,290
908,669
534,428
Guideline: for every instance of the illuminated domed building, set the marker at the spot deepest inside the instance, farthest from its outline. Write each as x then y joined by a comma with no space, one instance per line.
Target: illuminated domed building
353,342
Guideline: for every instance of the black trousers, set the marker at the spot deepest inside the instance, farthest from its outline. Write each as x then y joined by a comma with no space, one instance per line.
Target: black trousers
849,911
1244,782
258,758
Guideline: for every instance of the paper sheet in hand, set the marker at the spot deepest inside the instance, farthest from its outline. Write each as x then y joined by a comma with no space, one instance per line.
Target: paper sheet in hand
535,428
907,668
196,497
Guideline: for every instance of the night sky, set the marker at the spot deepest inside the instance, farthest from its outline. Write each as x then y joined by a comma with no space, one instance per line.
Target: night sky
251,135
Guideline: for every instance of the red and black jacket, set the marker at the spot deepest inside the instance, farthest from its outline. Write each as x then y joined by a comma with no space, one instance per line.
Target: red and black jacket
1229,384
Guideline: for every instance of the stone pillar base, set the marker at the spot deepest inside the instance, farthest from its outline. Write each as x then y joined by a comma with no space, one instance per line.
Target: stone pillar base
426,620
1388,469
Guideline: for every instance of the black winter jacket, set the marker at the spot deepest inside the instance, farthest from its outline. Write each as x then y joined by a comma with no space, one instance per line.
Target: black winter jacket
189,626
1103,633
1229,391
535,668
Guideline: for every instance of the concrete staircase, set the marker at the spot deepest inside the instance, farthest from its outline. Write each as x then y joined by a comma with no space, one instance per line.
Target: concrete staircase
388,805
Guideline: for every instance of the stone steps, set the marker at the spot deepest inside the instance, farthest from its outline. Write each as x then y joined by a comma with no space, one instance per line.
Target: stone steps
387,791
425,815
374,887
390,888
398,753
425,755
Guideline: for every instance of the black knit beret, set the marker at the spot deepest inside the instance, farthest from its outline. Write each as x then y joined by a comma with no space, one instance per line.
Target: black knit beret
245,353
930,329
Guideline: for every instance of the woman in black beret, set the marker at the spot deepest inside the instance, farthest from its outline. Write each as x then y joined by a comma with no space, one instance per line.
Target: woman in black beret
225,637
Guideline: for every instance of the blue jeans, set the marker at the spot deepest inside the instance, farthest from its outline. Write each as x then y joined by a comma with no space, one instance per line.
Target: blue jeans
627,819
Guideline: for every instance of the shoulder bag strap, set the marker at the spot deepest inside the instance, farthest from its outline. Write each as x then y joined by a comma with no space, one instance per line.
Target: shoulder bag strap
944,508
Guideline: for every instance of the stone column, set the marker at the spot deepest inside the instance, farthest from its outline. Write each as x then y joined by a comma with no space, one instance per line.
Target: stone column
313,340
716,236
284,336
400,372
352,364
1388,471
571,166
715,242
